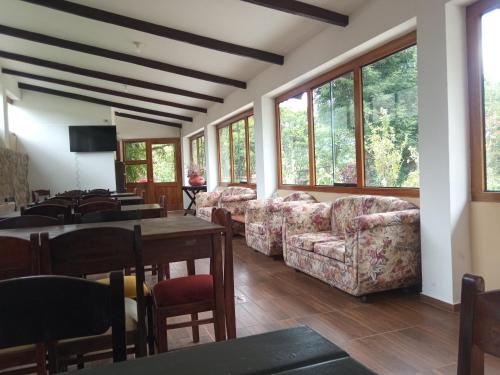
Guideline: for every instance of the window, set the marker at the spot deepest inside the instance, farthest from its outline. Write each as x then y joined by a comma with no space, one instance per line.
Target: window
354,129
483,20
197,146
136,165
236,142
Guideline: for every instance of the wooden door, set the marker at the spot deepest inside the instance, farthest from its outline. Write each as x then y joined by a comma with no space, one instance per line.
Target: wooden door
154,166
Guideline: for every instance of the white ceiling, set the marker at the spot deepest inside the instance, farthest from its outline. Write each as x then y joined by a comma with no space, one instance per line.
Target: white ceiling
227,20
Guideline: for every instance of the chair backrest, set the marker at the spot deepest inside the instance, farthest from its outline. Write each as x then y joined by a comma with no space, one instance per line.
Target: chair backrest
106,216
19,257
104,192
95,251
94,195
73,193
85,208
300,196
38,195
29,221
141,192
96,198
60,201
163,204
49,209
42,309
479,325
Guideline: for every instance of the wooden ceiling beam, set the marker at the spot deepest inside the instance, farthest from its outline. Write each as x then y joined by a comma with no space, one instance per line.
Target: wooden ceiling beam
124,57
107,76
101,90
299,8
148,119
89,99
159,30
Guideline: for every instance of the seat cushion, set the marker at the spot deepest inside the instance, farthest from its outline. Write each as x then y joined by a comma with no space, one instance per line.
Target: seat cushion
306,241
205,213
331,249
128,285
182,290
256,228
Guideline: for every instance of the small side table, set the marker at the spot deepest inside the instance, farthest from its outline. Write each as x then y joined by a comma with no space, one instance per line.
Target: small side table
191,192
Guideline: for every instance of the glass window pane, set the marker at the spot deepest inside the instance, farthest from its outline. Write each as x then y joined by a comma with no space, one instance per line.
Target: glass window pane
239,151
201,160
135,151
136,173
334,132
391,121
164,163
491,87
224,155
194,155
294,140
251,138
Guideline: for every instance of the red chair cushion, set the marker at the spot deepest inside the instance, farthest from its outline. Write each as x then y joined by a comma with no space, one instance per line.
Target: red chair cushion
182,290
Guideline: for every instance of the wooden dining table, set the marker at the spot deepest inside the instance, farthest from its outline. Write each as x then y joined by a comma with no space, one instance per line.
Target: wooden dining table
167,240
130,199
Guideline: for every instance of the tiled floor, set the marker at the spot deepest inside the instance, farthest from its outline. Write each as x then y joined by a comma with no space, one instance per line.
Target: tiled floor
395,334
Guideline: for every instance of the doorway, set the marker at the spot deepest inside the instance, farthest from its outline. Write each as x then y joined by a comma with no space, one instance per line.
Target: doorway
154,166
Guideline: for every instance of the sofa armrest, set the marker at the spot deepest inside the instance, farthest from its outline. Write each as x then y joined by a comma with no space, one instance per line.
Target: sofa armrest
365,222
208,199
238,198
300,217
255,211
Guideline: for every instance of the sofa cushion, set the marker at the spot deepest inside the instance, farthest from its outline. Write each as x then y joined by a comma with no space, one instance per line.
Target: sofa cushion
205,213
331,249
306,241
256,229
300,196
344,210
374,205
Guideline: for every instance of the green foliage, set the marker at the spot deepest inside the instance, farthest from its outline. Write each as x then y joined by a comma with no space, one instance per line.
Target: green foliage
251,138
239,151
164,163
136,172
224,154
492,134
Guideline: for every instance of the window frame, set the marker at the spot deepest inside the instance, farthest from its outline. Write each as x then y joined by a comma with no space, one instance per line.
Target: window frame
355,66
228,123
196,138
476,100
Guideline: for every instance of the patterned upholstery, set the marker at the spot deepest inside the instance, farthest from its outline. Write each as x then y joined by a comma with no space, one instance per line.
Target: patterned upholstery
205,203
264,219
360,244
234,199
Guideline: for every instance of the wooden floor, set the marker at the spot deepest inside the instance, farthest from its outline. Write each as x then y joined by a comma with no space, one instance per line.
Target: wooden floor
395,334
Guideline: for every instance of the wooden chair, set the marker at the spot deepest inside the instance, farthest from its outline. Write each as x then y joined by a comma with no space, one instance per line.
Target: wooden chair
38,195
29,221
96,198
106,216
86,208
97,251
20,258
163,204
72,193
479,325
60,201
187,295
141,192
46,309
104,192
51,210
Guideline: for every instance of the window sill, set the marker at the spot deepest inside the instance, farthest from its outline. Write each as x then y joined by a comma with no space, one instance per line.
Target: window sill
398,192
486,196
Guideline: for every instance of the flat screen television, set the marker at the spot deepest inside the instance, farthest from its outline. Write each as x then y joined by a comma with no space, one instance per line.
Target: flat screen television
92,138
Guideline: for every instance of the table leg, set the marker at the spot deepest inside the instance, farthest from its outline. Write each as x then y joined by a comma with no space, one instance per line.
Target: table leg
219,324
229,288
192,197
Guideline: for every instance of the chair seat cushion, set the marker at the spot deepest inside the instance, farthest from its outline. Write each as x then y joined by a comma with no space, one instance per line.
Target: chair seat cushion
331,249
205,213
128,286
256,228
183,290
306,241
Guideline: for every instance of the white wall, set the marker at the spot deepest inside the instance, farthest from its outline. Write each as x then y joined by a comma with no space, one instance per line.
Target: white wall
135,129
41,124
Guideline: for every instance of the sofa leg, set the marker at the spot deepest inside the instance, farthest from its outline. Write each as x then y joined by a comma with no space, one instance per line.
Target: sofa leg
296,270
277,257
365,298
414,289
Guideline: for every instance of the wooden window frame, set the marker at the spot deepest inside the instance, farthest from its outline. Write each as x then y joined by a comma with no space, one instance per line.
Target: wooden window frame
355,66
196,138
229,123
476,100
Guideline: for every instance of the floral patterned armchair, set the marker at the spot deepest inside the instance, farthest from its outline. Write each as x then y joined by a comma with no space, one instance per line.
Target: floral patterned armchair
263,222
205,203
359,244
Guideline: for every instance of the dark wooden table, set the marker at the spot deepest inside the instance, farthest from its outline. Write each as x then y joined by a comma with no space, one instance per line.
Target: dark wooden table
147,211
191,192
268,353
165,240
131,199
124,194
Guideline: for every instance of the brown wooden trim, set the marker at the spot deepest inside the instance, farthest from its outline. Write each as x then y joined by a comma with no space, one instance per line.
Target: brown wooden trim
102,90
310,129
354,66
299,8
149,119
107,76
90,99
440,304
400,192
231,153
476,100
159,30
119,56
235,118
247,146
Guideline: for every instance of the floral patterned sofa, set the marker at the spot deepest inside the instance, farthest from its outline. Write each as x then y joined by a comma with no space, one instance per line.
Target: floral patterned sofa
263,222
234,199
359,244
